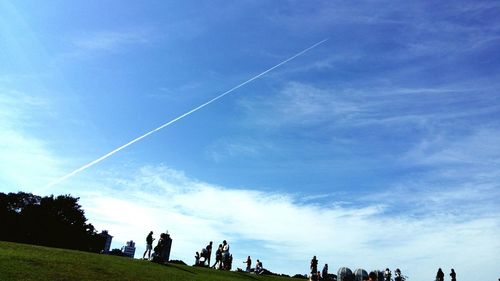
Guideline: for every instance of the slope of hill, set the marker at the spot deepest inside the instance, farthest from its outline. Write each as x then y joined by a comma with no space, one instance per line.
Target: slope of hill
28,262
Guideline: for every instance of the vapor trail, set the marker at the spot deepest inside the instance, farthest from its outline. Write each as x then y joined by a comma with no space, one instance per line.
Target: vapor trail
90,164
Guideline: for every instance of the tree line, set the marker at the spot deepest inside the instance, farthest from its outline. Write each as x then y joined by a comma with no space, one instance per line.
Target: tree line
48,221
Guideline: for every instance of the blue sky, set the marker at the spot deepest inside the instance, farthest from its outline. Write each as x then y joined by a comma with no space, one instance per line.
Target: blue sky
378,148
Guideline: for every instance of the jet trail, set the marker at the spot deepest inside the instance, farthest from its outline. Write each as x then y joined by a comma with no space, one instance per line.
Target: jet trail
90,164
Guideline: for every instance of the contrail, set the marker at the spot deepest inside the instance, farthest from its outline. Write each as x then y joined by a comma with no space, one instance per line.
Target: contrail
84,167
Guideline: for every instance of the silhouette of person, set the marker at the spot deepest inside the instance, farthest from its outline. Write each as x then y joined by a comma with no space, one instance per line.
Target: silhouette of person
453,275
387,274
225,254
314,267
249,264
218,257
325,271
372,276
258,267
440,275
197,259
149,245
397,274
209,252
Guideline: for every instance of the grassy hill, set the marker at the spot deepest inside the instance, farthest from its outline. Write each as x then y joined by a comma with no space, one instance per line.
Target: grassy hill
28,262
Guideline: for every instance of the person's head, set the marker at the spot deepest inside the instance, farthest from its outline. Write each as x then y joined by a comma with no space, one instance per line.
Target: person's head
372,276
248,257
224,242
210,243
439,269
151,232
452,270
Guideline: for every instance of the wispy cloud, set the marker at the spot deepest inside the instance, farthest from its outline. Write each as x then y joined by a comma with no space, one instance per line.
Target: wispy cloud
306,104
111,40
104,42
301,103
247,148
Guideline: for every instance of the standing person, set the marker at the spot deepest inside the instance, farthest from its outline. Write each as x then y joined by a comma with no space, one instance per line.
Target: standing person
387,274
209,252
440,275
325,271
218,257
249,264
453,275
149,245
225,254
314,267
397,275
197,259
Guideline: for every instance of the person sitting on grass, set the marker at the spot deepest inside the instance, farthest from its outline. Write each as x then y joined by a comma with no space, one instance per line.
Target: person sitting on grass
258,267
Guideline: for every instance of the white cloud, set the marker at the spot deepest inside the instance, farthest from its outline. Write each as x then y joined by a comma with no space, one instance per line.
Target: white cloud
107,40
285,233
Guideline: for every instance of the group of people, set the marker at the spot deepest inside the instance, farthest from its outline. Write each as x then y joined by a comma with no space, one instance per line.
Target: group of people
223,259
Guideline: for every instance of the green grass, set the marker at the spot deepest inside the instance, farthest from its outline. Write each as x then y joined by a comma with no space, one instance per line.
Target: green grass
28,262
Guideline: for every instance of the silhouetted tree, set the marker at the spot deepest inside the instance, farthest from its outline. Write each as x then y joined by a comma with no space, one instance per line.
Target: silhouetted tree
49,221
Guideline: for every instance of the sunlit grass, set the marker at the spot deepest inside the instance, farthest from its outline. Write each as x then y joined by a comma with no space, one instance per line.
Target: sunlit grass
28,262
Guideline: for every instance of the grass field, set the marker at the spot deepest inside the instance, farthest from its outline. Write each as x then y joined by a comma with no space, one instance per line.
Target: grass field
28,262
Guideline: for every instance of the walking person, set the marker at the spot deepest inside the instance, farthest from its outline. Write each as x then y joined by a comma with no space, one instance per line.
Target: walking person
149,245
